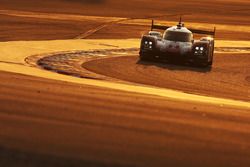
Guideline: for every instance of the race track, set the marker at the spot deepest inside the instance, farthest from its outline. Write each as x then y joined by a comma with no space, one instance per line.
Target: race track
92,102
228,77
99,120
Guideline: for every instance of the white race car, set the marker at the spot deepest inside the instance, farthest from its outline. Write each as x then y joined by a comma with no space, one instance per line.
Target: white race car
177,44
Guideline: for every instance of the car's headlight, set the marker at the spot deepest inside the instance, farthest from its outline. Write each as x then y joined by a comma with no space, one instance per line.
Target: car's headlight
147,44
199,48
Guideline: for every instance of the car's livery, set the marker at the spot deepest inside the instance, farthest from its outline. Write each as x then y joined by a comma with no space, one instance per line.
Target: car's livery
177,43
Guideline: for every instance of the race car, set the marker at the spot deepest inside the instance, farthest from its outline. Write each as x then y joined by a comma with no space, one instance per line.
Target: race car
177,44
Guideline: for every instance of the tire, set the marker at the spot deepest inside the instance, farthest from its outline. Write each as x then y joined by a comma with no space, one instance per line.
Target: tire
212,59
202,65
144,57
205,65
211,62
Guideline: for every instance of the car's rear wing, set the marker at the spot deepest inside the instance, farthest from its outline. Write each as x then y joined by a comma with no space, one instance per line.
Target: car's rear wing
196,31
203,31
159,27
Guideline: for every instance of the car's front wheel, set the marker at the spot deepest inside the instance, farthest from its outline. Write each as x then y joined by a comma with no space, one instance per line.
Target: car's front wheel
210,63
144,57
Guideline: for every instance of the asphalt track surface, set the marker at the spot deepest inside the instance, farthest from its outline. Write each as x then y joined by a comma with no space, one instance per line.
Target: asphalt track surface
63,124
67,124
150,149
228,77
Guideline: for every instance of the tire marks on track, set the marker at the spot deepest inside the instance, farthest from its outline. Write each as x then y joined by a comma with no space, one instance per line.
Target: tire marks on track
70,63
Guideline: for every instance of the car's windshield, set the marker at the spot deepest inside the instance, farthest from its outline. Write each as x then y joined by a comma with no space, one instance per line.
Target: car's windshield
158,34
178,36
